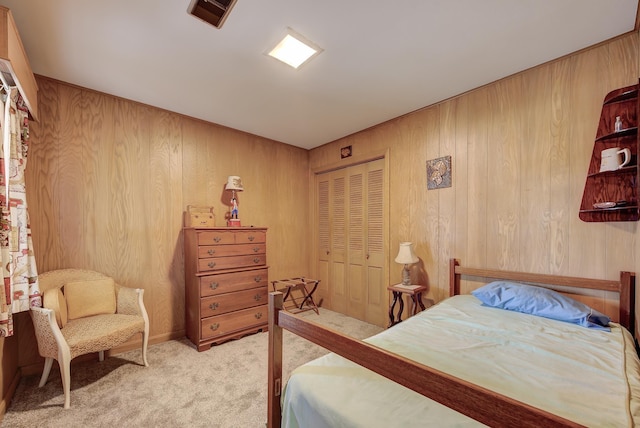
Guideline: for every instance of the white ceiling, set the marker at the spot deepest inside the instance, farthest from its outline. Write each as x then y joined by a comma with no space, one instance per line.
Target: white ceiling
381,59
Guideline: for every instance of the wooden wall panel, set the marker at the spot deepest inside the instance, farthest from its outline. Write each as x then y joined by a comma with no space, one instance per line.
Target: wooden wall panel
477,178
520,151
71,179
535,147
506,130
560,201
98,127
585,104
447,230
460,175
164,247
42,175
429,220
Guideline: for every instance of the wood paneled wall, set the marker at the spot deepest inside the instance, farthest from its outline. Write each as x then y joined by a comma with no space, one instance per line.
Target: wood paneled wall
108,180
520,152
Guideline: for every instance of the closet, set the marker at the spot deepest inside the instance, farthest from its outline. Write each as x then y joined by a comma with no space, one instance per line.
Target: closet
351,213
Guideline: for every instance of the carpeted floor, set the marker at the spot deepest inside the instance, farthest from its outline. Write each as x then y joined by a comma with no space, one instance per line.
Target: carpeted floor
225,386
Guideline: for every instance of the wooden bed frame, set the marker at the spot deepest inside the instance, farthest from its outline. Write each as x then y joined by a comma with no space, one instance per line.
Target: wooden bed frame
479,403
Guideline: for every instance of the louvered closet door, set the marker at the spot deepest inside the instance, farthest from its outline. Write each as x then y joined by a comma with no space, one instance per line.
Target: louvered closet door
356,261
377,307
351,236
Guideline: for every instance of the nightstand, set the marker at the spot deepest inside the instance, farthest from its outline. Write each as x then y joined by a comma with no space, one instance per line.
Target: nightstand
414,291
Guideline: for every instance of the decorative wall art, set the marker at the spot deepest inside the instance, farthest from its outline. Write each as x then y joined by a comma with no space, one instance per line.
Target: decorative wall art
439,173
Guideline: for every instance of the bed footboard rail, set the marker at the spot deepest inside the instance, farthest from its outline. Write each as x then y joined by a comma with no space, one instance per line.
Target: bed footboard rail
481,404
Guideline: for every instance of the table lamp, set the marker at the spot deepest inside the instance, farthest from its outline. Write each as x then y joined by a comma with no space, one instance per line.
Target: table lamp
407,257
234,183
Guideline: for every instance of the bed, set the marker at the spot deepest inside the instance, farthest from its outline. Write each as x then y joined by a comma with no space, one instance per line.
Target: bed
461,363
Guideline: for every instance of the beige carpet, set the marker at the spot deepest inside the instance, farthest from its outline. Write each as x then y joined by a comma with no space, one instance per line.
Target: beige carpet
225,386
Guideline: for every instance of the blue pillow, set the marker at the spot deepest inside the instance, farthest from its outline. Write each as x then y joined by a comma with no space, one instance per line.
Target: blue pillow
540,301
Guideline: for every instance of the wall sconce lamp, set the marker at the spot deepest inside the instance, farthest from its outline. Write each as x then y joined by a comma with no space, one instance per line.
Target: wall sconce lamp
406,257
234,183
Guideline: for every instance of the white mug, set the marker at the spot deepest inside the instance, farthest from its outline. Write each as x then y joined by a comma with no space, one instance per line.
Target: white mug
611,159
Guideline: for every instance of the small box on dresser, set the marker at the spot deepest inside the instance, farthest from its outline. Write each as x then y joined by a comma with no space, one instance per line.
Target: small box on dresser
226,283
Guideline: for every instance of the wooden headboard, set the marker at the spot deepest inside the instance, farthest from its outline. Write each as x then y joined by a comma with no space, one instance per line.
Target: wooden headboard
625,287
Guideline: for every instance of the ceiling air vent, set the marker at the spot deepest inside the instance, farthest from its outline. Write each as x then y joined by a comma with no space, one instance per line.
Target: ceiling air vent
214,12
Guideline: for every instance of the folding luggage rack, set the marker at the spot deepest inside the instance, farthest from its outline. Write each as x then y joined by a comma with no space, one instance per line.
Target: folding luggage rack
300,286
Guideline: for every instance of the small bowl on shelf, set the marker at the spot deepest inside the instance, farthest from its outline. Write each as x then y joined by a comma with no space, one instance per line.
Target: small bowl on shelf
604,205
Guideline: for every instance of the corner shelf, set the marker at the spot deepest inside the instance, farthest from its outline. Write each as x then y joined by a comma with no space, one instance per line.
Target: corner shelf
619,186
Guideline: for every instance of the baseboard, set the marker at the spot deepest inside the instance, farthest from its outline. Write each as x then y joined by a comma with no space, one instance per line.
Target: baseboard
6,400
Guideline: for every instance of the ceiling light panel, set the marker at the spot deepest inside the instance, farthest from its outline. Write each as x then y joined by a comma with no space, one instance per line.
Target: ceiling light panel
294,49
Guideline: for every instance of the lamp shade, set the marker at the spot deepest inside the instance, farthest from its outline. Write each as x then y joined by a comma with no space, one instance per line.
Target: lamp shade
406,256
234,183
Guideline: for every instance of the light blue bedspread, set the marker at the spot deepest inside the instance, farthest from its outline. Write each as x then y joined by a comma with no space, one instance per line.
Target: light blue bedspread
588,376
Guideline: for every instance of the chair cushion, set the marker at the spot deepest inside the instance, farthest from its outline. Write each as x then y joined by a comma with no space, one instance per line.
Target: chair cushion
93,297
100,332
54,299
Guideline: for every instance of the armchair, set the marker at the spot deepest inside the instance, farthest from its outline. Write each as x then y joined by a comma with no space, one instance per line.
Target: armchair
93,314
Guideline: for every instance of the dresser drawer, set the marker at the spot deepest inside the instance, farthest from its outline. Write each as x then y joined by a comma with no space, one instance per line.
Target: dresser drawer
206,251
251,237
233,321
211,285
223,303
217,263
216,237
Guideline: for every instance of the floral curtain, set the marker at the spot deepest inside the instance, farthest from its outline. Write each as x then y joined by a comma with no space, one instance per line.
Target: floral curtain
21,290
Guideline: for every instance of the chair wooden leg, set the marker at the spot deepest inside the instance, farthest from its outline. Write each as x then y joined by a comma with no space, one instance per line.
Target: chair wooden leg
48,362
145,342
65,372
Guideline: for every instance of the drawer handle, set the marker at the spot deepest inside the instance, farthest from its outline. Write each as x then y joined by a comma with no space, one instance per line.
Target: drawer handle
211,264
258,315
211,252
257,297
213,285
256,249
251,238
217,239
214,306
257,278
256,260
214,326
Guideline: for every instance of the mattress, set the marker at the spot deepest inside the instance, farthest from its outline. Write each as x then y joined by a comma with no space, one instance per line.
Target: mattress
588,376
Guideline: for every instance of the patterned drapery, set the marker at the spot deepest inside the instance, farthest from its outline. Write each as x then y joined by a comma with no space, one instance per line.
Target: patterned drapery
21,290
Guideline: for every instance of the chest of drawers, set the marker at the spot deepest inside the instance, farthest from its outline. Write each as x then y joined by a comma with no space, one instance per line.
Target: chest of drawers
226,283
